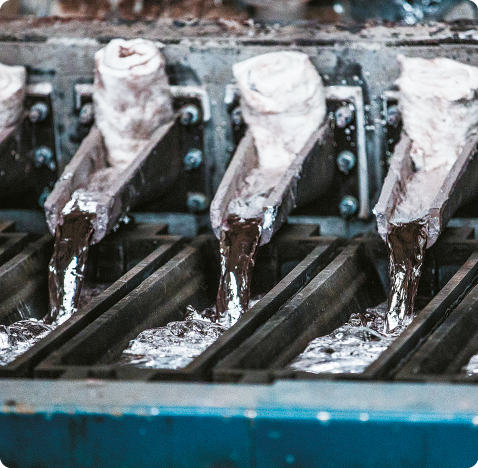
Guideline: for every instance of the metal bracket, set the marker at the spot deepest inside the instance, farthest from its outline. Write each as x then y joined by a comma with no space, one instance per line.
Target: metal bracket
196,92
354,95
387,96
40,90
85,90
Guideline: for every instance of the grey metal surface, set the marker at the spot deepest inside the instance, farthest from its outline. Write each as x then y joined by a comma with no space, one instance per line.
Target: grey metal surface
142,398
62,52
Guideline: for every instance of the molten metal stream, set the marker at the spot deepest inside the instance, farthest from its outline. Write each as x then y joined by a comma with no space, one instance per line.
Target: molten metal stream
238,247
67,265
406,247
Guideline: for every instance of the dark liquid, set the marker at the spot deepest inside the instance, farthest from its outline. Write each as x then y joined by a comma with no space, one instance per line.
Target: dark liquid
67,265
406,248
238,247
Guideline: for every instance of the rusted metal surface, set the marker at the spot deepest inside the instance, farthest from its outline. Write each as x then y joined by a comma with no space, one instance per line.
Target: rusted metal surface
38,29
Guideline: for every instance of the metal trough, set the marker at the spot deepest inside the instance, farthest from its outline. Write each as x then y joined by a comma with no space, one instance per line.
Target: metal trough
459,187
355,280
116,266
151,173
309,176
190,278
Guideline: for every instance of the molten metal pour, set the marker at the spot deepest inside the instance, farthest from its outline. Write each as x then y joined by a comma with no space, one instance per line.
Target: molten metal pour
133,112
406,248
283,103
432,171
238,247
67,265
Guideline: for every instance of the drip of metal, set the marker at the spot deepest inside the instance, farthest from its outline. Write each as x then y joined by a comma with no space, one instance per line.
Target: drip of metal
238,247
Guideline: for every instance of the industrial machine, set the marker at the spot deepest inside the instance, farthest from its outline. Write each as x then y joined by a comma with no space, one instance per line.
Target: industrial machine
68,402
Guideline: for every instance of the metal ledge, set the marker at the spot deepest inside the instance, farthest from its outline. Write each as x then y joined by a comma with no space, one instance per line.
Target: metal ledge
306,424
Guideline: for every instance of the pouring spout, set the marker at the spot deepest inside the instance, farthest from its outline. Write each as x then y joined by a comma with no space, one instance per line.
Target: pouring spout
309,176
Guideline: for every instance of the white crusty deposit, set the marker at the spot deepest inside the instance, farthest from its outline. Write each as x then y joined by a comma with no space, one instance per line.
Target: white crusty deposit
12,94
283,103
438,101
131,95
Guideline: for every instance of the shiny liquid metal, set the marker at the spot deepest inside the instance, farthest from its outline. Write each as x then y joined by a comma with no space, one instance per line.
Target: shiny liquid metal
238,247
406,249
351,348
356,344
472,367
67,265
65,280
19,337
178,343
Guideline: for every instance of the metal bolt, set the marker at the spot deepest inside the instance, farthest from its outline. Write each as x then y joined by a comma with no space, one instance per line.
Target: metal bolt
236,117
189,115
348,206
193,159
38,112
42,199
344,116
43,155
196,202
87,114
346,161
394,117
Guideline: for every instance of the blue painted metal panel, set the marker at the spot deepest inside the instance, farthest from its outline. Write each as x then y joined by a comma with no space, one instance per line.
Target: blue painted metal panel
346,441
96,440
298,424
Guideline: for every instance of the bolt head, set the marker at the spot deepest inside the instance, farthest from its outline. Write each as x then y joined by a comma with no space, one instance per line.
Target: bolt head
346,161
348,206
394,117
196,202
189,115
344,116
43,155
87,114
38,112
193,159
